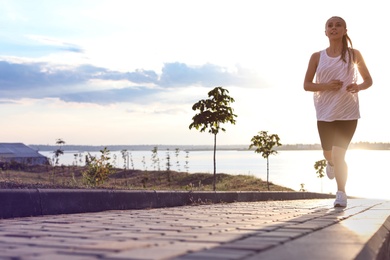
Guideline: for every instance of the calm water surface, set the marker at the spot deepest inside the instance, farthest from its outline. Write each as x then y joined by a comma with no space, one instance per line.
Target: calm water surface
368,173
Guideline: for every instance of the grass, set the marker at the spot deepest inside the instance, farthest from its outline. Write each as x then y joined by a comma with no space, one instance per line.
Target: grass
70,177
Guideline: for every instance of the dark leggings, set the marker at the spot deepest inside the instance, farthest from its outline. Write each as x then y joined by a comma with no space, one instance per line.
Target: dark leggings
337,133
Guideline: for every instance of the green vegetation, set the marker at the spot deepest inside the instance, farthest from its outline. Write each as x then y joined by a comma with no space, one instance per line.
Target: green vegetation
99,172
58,152
71,177
212,113
264,144
319,166
98,169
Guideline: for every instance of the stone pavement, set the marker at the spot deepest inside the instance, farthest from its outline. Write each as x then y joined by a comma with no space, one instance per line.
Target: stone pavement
287,229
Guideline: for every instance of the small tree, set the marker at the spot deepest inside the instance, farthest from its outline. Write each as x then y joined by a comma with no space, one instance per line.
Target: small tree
98,169
75,156
155,159
168,165
319,166
131,160
264,144
56,157
212,113
186,166
58,152
177,152
125,157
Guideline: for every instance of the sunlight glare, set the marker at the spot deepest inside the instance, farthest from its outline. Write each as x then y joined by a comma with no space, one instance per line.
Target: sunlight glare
367,177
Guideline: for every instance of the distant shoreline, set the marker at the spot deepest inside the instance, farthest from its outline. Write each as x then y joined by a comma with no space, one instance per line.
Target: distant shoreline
161,147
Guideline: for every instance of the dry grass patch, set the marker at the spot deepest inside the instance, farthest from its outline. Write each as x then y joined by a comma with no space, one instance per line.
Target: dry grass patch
71,177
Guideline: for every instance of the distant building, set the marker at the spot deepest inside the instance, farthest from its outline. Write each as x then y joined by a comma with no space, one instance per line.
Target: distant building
20,153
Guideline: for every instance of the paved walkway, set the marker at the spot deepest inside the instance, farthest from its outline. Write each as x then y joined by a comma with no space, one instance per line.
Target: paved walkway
294,229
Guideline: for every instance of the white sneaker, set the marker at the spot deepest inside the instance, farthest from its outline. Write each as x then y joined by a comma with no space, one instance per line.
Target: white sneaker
330,171
341,199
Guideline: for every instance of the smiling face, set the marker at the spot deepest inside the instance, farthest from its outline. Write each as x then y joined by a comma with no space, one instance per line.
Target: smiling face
335,27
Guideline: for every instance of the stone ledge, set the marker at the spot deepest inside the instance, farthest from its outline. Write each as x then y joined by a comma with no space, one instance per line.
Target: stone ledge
378,247
39,202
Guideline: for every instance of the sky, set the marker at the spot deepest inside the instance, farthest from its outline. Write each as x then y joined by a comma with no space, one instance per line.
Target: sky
106,72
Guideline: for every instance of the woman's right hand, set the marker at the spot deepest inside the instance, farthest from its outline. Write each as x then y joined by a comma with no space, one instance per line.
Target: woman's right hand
335,84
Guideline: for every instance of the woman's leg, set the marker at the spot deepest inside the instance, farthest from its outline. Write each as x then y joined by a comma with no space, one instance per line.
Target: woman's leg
328,156
340,167
344,133
326,132
335,138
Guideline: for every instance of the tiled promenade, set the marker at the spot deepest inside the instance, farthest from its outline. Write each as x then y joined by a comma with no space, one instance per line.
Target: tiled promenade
288,229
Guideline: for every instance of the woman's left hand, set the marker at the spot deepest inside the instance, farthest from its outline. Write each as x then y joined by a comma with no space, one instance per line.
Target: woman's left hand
353,88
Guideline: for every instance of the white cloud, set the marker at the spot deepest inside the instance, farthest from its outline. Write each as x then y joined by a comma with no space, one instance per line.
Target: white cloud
133,69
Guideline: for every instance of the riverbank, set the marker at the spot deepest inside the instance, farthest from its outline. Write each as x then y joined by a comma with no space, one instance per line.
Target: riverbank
70,177
163,148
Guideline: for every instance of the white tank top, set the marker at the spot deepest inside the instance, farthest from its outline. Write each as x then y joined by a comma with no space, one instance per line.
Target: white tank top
340,104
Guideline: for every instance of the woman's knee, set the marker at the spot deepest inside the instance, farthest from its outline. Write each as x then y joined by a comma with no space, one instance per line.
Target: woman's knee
338,154
328,155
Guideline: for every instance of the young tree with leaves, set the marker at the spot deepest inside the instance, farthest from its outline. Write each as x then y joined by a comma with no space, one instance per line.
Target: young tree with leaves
155,158
186,166
264,144
98,169
125,157
177,152
212,113
56,156
319,166
59,151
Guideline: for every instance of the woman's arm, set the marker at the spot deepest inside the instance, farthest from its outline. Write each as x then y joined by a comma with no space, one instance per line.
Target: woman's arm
363,71
309,85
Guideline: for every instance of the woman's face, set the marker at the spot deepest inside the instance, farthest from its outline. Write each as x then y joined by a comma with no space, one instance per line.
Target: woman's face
335,28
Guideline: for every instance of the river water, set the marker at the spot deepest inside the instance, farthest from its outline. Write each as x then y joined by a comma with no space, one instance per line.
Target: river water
369,175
